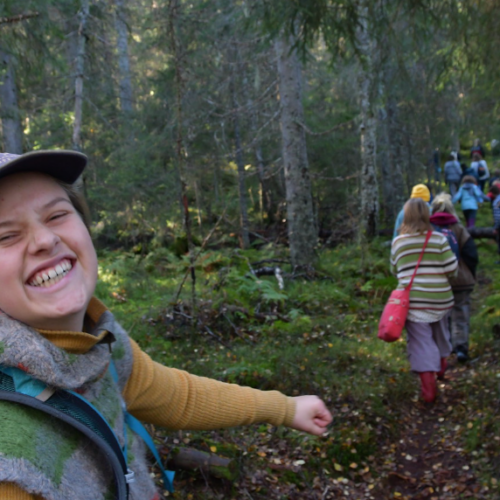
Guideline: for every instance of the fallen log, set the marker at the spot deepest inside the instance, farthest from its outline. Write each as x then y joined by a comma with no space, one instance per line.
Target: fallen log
207,463
482,232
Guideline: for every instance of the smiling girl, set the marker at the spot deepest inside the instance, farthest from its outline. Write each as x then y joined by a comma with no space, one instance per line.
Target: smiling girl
54,330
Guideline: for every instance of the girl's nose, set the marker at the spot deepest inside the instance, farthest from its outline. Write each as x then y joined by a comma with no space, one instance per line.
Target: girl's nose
43,239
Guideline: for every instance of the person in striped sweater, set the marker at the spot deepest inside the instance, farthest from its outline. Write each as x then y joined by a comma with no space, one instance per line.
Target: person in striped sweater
431,296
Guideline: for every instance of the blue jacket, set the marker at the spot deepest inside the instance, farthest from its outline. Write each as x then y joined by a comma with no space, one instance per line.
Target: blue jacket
470,196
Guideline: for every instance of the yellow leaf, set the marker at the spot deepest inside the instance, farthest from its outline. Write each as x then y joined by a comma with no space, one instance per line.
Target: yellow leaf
261,454
397,494
354,465
213,449
337,467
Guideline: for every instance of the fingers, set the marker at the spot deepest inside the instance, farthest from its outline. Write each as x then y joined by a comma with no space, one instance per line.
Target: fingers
311,415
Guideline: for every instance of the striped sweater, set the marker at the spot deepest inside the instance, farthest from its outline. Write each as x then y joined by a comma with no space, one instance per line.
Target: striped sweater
431,296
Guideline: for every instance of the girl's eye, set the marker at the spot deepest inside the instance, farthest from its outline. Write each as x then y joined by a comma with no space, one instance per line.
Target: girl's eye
5,238
57,215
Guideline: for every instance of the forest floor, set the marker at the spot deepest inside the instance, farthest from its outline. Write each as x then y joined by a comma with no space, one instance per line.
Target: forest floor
425,460
317,337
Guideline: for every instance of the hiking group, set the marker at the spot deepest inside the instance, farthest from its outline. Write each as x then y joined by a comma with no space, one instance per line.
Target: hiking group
431,244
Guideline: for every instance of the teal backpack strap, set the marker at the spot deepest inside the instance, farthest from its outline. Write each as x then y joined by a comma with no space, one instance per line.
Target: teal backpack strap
137,427
17,386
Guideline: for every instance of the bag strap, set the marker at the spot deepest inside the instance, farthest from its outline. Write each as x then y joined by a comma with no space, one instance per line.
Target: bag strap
408,287
65,406
137,427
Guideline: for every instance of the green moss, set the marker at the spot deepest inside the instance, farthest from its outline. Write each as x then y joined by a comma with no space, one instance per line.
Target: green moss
30,434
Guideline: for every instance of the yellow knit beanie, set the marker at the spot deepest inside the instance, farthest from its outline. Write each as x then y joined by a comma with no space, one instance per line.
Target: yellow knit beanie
421,191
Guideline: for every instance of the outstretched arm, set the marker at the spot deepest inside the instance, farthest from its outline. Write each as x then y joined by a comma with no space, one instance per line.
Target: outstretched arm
311,415
178,400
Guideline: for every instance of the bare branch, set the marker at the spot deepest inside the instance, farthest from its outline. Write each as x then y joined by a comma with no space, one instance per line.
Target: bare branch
18,18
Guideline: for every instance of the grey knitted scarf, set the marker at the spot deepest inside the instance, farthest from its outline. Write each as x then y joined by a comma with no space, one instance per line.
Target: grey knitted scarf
47,457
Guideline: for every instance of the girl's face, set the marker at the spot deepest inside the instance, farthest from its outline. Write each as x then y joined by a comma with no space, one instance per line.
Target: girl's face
48,265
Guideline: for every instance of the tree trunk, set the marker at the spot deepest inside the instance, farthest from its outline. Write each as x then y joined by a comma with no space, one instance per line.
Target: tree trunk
368,179
245,238
265,205
125,83
83,15
302,232
396,155
9,111
385,168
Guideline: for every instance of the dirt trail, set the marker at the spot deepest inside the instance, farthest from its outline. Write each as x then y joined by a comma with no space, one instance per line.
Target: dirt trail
428,462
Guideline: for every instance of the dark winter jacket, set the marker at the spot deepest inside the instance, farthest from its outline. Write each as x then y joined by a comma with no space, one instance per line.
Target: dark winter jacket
467,263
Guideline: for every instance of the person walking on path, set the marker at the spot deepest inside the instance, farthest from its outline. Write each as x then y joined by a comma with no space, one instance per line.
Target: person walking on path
57,336
431,297
452,174
445,219
418,191
480,169
469,195
477,148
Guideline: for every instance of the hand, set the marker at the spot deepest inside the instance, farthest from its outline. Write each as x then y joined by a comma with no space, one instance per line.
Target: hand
311,415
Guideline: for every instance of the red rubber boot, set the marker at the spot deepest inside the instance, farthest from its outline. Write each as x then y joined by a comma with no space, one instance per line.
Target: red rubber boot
440,373
429,388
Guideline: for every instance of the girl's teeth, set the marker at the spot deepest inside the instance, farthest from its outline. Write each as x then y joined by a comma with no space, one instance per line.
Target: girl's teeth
53,275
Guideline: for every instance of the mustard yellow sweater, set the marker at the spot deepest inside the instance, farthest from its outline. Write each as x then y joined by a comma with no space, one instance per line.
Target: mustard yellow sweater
174,398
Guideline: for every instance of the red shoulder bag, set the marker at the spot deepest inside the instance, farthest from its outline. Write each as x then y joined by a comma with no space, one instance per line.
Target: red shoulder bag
394,315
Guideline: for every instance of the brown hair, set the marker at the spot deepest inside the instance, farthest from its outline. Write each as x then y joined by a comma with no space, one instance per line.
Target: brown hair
494,189
416,217
469,178
77,199
476,156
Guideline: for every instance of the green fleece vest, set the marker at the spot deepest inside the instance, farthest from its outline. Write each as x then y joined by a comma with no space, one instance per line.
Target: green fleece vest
47,457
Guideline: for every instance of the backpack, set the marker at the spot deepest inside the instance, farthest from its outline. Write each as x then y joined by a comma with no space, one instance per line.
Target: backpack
481,170
19,387
452,239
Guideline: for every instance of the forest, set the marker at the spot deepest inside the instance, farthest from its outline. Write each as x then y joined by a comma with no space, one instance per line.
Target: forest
247,161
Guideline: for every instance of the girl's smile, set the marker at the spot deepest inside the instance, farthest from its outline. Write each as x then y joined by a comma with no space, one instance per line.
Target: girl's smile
49,266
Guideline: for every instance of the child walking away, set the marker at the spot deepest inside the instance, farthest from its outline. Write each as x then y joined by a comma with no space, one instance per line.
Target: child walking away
480,169
452,174
63,352
431,297
470,196
445,220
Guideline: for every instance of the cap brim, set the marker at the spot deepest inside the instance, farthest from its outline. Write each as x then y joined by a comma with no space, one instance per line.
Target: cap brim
64,165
